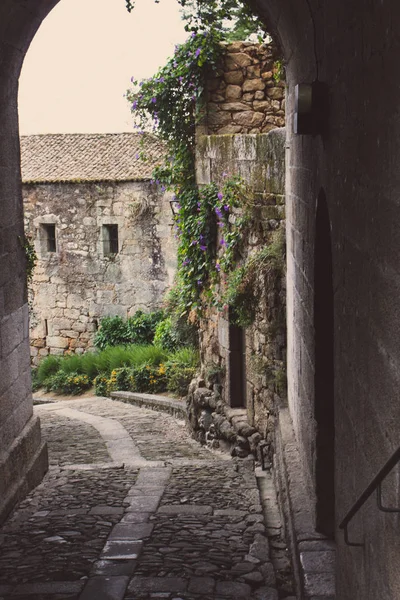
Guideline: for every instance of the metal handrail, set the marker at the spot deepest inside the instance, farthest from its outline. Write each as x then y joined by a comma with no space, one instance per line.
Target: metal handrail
375,485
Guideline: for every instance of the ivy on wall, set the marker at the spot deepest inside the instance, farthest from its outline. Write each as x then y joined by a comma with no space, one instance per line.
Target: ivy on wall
210,222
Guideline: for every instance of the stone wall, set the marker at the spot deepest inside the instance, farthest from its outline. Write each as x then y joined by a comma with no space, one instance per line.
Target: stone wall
217,413
79,283
247,95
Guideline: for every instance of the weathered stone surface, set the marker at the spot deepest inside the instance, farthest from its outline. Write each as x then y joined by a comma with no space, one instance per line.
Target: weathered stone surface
234,106
218,118
230,129
157,584
105,588
186,509
122,550
198,540
276,93
236,60
252,85
233,92
237,590
74,287
234,77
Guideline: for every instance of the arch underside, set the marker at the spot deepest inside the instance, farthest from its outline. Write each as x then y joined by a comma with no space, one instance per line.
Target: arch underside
354,48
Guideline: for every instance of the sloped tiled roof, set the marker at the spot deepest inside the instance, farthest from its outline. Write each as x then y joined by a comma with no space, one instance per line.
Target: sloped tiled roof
88,157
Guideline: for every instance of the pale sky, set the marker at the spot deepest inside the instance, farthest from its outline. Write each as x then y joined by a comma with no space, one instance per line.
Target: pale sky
80,62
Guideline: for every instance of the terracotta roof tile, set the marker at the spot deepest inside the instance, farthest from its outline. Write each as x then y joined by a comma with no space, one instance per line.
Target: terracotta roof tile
88,157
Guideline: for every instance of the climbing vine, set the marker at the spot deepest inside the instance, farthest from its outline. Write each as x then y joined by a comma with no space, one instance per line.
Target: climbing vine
209,221
30,255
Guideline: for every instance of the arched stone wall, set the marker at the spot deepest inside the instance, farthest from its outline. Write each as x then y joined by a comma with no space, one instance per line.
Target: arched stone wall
354,48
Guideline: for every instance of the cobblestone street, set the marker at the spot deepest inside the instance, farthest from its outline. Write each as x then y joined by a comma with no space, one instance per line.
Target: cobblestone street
132,508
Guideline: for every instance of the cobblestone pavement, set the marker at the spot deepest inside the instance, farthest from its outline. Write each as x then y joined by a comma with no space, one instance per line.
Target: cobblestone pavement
132,508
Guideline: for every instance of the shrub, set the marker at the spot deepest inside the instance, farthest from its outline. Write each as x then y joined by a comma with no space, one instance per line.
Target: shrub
67,383
149,378
139,329
185,357
35,382
47,367
123,379
179,379
112,332
165,336
100,385
71,363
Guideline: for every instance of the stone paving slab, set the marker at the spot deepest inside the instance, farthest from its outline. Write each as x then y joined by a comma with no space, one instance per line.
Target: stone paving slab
174,520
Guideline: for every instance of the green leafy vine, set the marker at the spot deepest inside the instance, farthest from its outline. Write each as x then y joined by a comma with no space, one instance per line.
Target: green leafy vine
30,255
209,221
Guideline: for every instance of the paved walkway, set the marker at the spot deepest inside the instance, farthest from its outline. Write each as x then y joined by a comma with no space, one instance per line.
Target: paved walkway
132,508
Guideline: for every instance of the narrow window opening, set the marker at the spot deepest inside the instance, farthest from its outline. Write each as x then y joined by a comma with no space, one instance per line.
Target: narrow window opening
110,239
46,328
50,237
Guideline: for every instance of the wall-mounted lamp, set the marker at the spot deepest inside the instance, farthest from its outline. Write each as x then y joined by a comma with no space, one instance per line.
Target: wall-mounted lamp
311,108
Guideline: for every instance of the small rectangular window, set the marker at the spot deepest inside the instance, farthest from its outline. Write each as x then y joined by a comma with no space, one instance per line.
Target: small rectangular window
110,239
50,237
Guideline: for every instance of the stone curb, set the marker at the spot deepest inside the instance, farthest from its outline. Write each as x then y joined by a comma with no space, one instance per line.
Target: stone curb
176,408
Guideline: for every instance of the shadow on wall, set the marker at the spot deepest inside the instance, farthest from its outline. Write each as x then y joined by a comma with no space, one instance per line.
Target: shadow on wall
324,371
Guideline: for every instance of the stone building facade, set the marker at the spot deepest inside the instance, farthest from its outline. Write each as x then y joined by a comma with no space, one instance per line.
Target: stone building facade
101,231
243,381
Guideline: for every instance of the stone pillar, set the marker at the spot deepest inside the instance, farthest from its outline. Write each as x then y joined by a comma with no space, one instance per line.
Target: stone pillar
23,456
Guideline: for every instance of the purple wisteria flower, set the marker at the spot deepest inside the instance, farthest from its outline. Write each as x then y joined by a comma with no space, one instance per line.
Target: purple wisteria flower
186,262
226,207
193,34
224,174
194,243
218,212
218,266
154,99
220,195
198,52
223,243
199,282
134,105
163,188
220,224
137,156
202,247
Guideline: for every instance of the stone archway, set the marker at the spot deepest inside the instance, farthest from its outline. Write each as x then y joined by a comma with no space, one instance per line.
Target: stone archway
20,443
